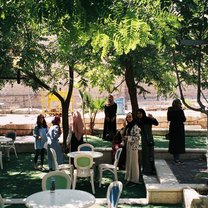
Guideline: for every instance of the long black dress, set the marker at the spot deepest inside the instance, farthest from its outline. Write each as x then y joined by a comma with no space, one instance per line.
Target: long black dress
109,130
147,158
176,130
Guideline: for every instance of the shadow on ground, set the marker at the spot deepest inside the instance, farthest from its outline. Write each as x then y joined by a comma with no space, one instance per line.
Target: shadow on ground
18,179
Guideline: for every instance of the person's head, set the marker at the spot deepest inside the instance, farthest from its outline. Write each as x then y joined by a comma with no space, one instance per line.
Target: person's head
140,113
176,103
56,120
41,120
129,117
110,98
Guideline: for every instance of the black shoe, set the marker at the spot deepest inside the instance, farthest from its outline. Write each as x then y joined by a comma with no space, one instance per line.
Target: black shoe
178,162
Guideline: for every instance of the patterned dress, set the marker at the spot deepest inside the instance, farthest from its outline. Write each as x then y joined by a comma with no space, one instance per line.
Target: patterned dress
132,155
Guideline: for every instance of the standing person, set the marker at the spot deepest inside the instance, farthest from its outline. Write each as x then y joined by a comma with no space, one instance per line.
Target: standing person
177,118
132,138
145,124
110,109
53,142
77,131
40,133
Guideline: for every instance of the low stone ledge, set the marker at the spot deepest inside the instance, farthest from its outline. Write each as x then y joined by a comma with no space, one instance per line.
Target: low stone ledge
191,131
164,193
162,153
164,173
150,179
169,193
166,187
127,201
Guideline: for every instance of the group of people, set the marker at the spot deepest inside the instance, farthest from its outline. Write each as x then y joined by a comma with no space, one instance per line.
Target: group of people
46,138
137,131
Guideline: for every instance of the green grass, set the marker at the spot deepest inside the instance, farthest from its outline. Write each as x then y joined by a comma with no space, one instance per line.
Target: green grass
18,179
160,142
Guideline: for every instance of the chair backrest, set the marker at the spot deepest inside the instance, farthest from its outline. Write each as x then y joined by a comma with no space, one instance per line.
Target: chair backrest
1,202
62,180
54,158
117,156
11,134
113,193
85,147
83,163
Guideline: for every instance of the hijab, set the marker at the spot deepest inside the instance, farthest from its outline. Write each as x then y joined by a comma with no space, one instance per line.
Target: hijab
110,100
144,119
78,125
129,125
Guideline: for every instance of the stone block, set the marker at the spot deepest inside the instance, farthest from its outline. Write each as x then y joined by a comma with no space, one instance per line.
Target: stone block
164,197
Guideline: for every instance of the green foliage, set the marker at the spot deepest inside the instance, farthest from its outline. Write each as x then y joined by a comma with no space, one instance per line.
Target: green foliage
92,106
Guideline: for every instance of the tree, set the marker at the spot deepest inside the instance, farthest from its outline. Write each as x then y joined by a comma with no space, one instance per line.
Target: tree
126,32
190,56
47,42
30,46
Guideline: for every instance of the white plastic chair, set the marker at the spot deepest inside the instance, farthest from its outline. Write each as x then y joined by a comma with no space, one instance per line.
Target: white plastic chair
10,145
113,193
62,180
85,147
62,166
110,167
1,161
83,164
1,202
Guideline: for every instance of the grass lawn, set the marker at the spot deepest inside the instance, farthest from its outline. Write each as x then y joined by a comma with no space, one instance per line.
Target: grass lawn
160,142
18,179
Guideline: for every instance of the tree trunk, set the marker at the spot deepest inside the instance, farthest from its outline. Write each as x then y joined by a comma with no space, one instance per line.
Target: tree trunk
65,122
65,108
129,78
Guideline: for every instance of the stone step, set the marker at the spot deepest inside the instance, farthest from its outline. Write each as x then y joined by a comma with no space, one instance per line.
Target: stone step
164,173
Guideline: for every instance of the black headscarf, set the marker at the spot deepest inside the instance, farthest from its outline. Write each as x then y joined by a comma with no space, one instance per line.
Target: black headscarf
144,119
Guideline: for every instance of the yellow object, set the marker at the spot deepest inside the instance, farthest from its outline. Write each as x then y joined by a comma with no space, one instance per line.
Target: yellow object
52,105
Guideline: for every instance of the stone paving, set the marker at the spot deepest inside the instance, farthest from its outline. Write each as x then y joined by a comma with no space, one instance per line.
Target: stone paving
186,172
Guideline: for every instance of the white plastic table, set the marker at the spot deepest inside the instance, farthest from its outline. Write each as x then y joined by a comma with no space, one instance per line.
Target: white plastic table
94,154
60,198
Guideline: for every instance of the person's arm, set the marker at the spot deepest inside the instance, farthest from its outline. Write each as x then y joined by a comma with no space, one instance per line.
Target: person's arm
183,117
36,133
169,115
152,120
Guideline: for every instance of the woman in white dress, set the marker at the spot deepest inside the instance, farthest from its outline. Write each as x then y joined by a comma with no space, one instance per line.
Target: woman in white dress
132,139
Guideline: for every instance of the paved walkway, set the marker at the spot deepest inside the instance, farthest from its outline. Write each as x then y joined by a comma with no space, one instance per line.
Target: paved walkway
186,173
